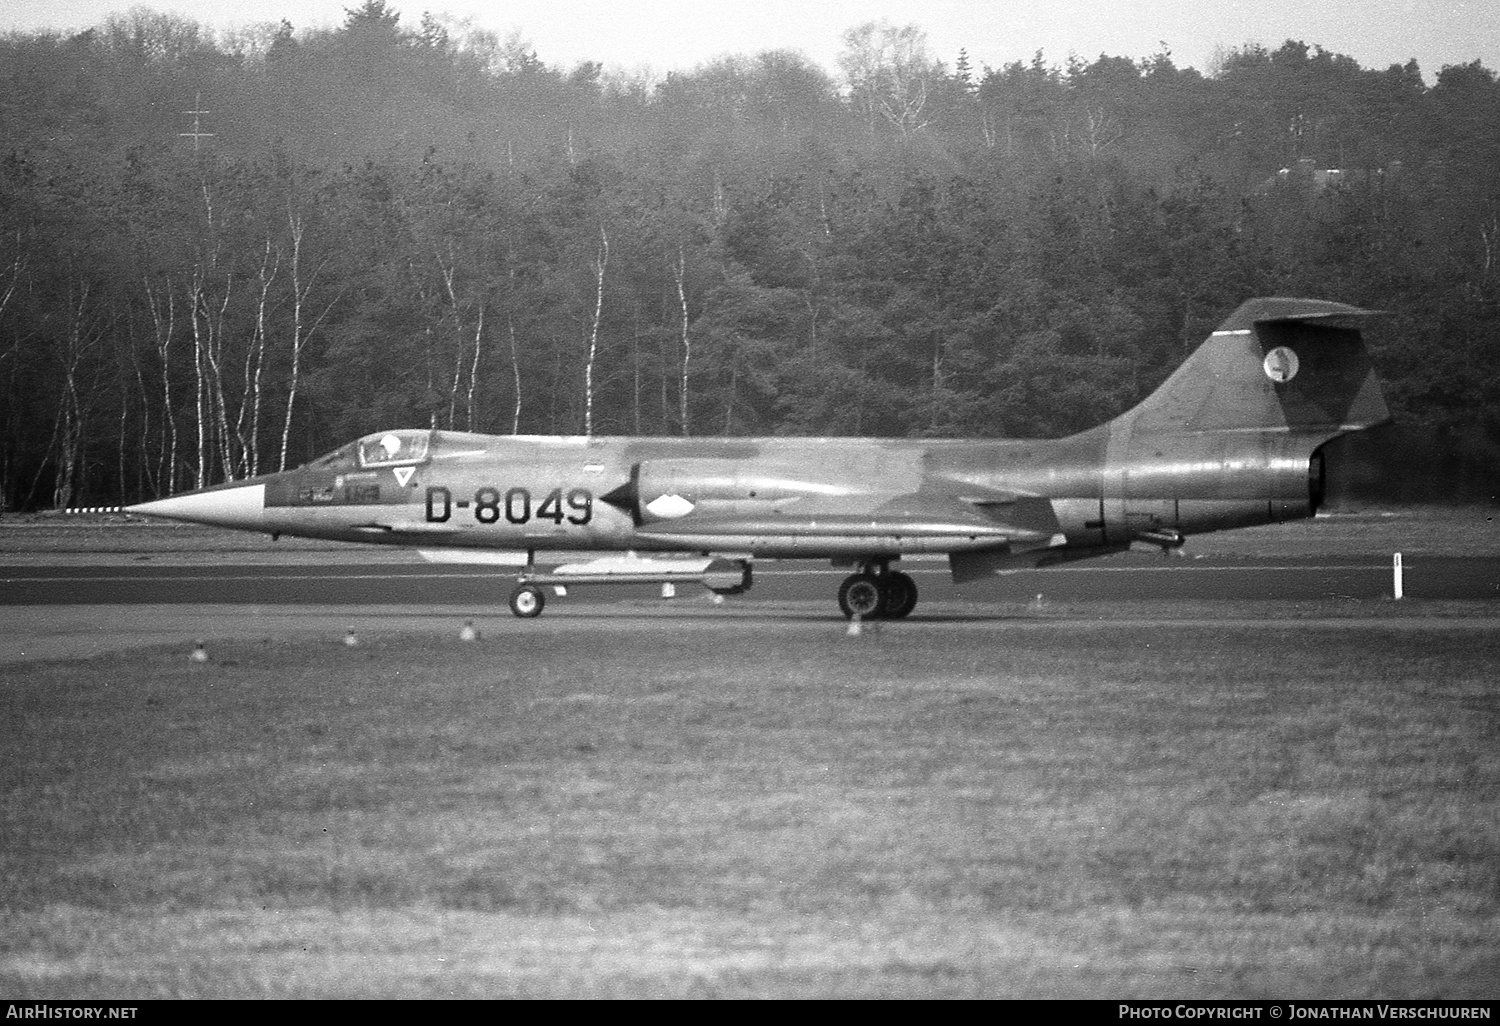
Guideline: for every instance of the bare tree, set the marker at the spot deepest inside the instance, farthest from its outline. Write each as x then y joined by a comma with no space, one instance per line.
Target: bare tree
889,71
12,279
81,335
466,353
679,273
301,330
208,313
515,370
601,261
255,360
163,322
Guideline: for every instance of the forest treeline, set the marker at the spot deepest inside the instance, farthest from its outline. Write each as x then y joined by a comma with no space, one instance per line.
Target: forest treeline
375,226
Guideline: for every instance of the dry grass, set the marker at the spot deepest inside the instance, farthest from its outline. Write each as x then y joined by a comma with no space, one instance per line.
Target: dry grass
651,807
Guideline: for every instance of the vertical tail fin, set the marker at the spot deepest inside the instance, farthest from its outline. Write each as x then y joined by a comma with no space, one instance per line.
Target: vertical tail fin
1274,365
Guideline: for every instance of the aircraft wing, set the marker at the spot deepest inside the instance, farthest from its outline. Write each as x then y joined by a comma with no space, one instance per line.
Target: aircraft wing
967,513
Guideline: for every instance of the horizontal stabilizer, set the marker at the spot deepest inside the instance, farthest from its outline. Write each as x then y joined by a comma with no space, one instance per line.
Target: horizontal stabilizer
1286,310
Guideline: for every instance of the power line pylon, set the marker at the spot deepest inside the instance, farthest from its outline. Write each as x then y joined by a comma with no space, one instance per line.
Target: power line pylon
197,134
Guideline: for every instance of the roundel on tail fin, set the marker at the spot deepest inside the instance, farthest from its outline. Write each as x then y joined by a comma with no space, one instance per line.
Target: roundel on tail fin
1281,364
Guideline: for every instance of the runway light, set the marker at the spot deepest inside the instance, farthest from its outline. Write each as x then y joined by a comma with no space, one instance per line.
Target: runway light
200,654
468,633
351,640
855,626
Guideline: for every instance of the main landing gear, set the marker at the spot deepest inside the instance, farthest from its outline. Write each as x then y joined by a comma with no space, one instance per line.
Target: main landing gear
878,593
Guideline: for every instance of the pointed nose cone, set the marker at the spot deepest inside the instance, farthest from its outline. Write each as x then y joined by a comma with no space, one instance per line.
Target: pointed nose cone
241,506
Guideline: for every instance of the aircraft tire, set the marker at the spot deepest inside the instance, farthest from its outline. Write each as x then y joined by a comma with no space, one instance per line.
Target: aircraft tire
900,596
861,595
527,601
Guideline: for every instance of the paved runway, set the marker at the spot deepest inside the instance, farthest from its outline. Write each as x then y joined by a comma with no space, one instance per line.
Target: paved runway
1132,576
65,612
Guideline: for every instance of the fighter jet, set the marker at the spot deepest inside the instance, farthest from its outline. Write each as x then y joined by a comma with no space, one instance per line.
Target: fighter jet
1231,439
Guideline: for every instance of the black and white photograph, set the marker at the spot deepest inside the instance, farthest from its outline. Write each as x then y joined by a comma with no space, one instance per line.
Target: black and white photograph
748,499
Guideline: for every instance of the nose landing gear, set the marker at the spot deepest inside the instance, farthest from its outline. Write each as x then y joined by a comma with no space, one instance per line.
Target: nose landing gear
527,600
878,593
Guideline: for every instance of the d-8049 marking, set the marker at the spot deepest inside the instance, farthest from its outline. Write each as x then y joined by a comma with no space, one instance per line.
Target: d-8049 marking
576,506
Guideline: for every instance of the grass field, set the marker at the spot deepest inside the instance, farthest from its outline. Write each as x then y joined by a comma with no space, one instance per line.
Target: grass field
628,806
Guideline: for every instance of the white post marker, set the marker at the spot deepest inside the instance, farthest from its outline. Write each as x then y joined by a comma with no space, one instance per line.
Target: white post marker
1396,589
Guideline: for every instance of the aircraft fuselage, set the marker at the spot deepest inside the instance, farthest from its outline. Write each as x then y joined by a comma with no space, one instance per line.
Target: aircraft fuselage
1230,439
518,493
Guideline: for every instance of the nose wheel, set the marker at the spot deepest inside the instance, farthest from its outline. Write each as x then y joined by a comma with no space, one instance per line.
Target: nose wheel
527,601
890,595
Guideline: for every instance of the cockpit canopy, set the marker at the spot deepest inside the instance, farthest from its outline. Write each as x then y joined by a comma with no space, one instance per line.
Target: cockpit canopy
385,449
392,448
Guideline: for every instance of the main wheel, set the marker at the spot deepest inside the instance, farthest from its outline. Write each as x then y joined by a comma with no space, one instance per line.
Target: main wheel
900,595
861,595
527,601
